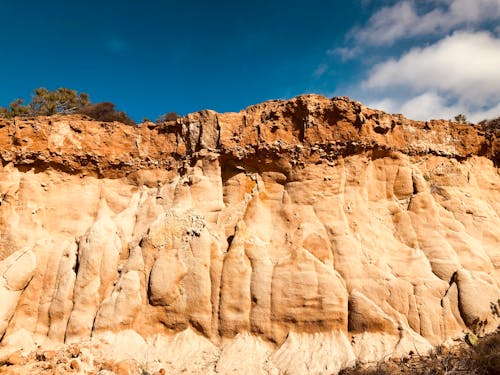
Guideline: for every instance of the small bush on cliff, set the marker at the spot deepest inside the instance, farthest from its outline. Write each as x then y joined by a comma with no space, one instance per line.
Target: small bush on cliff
491,125
106,112
16,108
461,118
170,116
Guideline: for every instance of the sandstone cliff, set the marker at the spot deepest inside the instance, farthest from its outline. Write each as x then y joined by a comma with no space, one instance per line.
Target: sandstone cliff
292,237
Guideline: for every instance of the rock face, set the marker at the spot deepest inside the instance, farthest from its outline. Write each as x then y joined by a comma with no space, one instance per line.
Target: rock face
292,237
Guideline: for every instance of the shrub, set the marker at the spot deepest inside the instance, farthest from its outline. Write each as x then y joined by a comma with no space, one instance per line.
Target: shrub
461,118
486,355
64,101
4,112
16,108
491,125
170,116
481,359
105,111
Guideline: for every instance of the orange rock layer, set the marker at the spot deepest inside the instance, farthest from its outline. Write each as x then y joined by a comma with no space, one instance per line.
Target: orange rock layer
307,234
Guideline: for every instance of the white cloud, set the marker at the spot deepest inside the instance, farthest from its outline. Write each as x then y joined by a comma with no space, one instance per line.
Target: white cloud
385,104
458,74
345,53
387,25
405,20
465,65
431,105
320,70
421,107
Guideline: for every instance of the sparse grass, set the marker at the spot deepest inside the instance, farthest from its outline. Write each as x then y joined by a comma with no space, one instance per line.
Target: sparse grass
482,359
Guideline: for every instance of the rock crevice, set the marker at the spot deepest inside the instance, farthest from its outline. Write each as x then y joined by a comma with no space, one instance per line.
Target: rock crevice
311,232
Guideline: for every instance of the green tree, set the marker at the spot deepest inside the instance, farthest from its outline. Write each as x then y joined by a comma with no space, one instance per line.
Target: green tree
62,100
4,112
17,108
461,118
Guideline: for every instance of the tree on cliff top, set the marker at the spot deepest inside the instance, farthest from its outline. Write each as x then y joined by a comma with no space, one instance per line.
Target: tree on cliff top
461,118
48,103
17,108
64,101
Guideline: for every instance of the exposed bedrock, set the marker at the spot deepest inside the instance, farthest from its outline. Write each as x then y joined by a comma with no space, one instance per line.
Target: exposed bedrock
304,234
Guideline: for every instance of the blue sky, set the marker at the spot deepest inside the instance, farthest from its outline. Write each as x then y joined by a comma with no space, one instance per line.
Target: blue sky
426,58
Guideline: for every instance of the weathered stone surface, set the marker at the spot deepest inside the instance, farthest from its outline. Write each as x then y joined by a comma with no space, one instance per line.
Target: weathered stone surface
16,272
294,236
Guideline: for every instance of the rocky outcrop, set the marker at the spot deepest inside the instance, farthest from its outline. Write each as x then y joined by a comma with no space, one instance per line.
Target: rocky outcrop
294,236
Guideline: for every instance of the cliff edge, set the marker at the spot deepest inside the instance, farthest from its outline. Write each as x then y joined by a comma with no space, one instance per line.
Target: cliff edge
294,237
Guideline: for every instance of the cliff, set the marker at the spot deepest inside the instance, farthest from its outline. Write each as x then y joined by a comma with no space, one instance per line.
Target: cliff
292,237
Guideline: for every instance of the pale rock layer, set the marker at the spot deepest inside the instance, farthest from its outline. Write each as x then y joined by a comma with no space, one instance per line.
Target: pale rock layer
293,237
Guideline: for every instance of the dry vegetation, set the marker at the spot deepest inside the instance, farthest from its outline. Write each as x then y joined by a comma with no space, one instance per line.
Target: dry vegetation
64,101
480,359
